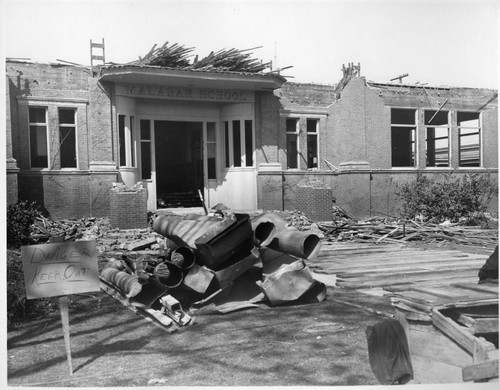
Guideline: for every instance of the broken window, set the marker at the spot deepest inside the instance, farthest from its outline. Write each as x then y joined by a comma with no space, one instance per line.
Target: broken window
403,137
292,142
126,141
238,143
469,139
67,137
312,143
145,125
38,137
437,139
211,151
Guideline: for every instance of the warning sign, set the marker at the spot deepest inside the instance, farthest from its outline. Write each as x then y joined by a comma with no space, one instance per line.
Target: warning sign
60,269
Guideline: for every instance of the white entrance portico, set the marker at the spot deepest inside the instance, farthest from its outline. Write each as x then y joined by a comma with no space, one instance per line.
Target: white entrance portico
184,131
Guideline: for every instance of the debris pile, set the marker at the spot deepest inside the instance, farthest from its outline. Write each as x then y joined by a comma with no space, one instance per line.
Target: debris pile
219,262
50,230
378,229
178,56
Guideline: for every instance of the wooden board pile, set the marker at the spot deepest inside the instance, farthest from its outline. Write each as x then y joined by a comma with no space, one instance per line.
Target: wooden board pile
378,229
231,60
169,56
178,56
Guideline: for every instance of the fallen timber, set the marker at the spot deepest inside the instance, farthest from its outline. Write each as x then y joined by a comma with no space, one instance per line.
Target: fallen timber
452,332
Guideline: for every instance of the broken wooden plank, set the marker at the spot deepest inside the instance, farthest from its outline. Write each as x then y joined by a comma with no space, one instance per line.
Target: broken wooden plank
479,325
479,371
459,333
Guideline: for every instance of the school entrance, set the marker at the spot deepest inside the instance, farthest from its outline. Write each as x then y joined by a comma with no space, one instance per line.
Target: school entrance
179,163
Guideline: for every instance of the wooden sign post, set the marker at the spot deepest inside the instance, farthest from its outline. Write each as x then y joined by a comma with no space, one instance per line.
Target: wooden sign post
61,269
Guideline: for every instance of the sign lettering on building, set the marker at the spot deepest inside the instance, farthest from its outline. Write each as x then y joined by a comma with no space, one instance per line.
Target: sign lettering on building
60,269
180,93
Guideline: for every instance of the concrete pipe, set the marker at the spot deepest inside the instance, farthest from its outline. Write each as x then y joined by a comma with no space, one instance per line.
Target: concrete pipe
295,243
127,283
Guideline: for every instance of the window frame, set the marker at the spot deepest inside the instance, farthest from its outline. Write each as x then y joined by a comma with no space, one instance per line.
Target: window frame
66,125
144,141
414,127
479,133
296,134
228,138
129,141
448,137
47,136
315,133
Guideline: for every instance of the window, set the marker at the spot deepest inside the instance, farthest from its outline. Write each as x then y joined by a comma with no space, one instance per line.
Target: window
292,142
126,141
211,151
238,143
312,143
67,137
437,140
248,143
145,128
121,139
403,135
469,139
38,137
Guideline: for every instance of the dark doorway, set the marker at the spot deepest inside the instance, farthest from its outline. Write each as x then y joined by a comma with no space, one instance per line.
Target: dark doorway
179,163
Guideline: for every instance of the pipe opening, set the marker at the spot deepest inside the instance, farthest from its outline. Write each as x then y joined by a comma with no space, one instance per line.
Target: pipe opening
311,245
183,257
264,232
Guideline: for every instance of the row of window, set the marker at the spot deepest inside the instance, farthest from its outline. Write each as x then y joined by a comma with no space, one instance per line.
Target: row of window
38,137
238,145
238,140
437,138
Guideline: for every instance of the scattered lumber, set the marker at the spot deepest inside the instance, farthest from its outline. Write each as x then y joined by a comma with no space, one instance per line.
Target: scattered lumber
178,56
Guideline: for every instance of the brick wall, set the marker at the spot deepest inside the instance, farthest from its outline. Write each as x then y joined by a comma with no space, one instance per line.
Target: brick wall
315,200
128,207
363,193
64,193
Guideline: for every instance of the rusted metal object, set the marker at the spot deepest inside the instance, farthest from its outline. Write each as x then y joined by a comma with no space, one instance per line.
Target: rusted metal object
288,283
215,249
198,278
184,230
227,275
128,284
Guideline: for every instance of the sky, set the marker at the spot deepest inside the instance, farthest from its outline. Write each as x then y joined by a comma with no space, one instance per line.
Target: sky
439,42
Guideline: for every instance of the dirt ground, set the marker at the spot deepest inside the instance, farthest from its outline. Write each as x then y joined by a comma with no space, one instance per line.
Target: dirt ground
305,345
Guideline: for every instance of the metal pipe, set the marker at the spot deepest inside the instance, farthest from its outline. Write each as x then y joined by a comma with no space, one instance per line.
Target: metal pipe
296,243
168,274
183,257
263,233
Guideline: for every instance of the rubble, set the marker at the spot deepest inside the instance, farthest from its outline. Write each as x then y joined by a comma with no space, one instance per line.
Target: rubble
226,261
214,256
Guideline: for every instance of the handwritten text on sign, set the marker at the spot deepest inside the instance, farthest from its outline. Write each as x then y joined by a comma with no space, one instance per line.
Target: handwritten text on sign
60,269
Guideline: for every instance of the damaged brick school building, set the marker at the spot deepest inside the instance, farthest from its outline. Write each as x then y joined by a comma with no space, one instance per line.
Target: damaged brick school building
246,138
